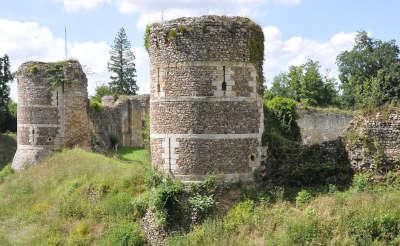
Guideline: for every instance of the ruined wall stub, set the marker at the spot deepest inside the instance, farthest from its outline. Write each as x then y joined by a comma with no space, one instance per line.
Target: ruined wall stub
206,113
124,119
52,110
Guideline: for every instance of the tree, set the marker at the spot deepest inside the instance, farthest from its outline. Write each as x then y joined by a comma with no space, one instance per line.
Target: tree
370,72
122,66
5,78
100,92
306,84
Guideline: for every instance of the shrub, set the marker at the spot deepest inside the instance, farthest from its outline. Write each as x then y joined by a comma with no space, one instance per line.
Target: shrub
96,105
165,200
361,182
153,179
126,233
201,206
303,197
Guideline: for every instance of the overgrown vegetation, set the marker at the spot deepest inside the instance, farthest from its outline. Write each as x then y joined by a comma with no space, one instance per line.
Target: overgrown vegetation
353,217
173,204
73,198
292,165
8,146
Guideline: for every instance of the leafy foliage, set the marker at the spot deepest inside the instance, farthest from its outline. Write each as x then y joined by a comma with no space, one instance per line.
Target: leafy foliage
147,37
306,84
122,66
5,78
100,92
370,72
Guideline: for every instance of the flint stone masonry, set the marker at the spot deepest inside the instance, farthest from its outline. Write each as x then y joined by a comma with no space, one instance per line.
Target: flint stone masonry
124,119
317,127
373,142
206,110
50,116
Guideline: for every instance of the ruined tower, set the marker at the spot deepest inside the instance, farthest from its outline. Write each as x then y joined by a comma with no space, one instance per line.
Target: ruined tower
206,109
52,114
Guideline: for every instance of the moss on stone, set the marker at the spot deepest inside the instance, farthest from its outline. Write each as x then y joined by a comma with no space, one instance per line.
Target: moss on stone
147,37
32,69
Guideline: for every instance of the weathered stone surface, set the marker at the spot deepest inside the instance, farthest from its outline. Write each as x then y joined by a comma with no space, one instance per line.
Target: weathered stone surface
317,127
373,142
206,97
51,112
124,119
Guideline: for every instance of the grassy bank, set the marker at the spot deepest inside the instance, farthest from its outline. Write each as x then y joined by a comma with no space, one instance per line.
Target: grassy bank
362,215
75,198
8,146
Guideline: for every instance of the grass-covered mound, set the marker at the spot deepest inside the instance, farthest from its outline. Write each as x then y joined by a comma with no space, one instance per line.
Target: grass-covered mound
73,198
363,215
8,146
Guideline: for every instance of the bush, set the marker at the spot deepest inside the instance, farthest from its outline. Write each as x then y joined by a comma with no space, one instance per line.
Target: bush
166,202
303,197
126,233
96,105
361,182
201,206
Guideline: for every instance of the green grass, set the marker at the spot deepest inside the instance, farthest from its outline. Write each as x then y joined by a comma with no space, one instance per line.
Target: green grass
8,146
133,154
353,217
73,198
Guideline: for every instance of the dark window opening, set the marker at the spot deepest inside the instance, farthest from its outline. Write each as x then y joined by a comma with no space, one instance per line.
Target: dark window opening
224,81
57,98
49,139
252,157
158,80
143,124
33,131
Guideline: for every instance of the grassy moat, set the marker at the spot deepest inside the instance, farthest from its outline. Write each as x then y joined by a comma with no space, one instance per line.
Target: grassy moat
81,198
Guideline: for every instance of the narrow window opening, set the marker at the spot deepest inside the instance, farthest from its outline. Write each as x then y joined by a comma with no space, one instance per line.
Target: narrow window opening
143,124
224,81
252,157
57,98
33,131
158,80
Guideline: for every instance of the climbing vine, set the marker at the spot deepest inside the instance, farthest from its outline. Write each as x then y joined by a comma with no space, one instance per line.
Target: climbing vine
54,72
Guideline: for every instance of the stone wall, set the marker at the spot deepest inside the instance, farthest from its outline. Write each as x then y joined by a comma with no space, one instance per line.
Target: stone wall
317,126
52,102
373,141
206,112
124,119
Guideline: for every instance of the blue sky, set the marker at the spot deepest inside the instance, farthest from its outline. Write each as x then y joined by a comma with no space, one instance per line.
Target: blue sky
294,29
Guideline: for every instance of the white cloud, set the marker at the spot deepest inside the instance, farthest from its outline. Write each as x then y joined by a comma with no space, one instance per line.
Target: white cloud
288,2
26,41
281,53
75,5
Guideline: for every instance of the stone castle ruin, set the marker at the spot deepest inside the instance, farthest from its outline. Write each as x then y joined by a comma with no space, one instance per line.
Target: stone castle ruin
205,104
206,97
123,119
52,115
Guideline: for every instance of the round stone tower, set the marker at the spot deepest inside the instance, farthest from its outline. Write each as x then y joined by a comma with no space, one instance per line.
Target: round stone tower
206,108
52,102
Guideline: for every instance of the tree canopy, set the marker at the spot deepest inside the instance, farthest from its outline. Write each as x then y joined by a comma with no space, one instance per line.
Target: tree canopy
370,72
122,66
306,84
5,101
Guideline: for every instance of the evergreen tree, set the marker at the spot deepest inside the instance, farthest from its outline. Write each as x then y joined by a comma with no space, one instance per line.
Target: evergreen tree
5,78
122,66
